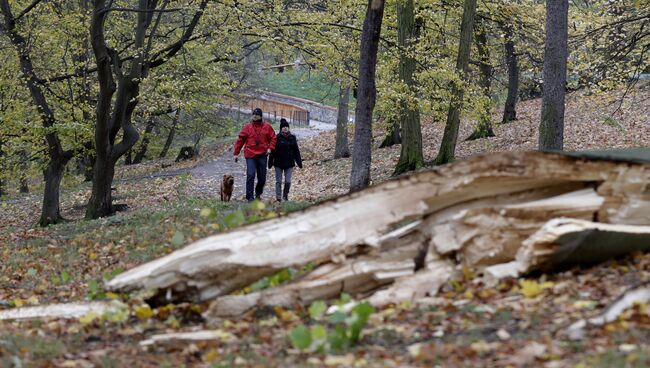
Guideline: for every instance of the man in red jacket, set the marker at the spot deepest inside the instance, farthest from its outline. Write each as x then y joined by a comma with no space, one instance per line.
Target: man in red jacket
258,139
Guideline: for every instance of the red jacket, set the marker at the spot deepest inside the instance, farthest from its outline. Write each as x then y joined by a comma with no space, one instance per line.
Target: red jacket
257,137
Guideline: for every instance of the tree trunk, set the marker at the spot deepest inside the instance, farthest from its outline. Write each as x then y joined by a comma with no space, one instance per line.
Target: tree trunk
509,111
50,212
170,136
100,203
551,127
113,116
139,156
58,158
128,157
342,148
478,211
450,137
411,157
367,93
392,137
3,185
484,128
24,167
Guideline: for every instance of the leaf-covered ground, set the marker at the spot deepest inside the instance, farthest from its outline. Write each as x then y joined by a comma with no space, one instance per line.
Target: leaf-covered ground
517,323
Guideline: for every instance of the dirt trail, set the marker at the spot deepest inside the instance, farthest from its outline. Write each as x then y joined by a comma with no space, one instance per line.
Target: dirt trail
206,178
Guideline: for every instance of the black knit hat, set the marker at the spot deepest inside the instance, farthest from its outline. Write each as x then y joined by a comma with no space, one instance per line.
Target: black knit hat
284,123
257,111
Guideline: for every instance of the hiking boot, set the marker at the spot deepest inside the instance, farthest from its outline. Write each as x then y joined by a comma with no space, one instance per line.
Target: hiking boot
285,193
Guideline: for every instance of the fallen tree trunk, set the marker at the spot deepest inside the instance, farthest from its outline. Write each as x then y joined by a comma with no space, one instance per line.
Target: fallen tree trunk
564,242
480,210
69,310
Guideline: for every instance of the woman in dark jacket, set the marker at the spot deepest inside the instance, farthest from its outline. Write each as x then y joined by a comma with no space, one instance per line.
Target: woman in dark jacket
285,157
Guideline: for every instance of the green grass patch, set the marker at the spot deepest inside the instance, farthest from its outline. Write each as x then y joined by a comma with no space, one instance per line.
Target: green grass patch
17,349
304,83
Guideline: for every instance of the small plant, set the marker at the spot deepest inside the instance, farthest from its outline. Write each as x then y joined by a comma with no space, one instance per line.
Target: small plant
340,331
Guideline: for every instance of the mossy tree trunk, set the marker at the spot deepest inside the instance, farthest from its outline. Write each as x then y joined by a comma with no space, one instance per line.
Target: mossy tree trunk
342,148
450,136
551,127
411,157
509,110
484,128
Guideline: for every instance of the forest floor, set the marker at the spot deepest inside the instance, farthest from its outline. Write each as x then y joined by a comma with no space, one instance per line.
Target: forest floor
467,325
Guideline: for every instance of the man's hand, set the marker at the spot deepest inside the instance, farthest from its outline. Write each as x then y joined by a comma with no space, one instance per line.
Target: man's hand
236,158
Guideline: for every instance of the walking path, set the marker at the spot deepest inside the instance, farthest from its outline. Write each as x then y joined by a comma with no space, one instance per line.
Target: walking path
206,178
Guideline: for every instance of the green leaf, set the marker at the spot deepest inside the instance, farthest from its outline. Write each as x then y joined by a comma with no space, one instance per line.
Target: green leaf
300,337
317,309
32,272
344,299
65,277
338,338
178,239
361,312
319,337
338,317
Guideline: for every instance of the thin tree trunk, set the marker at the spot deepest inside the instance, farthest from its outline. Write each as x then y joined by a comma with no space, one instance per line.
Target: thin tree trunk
342,148
411,157
128,157
551,127
139,156
24,167
450,137
58,158
172,132
367,93
3,183
484,128
509,111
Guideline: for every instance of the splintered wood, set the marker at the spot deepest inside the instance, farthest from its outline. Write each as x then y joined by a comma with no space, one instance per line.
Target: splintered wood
402,240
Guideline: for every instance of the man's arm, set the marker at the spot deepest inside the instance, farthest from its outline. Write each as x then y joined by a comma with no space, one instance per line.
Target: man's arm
239,143
273,138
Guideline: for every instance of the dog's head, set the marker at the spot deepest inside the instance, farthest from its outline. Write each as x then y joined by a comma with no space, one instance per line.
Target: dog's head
228,179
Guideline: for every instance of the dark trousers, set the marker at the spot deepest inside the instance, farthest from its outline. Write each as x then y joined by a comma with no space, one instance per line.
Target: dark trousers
255,165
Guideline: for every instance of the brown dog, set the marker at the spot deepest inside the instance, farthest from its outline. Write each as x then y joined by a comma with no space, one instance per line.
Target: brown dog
227,184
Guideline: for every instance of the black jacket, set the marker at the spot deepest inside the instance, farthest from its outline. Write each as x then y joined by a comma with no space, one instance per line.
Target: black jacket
286,153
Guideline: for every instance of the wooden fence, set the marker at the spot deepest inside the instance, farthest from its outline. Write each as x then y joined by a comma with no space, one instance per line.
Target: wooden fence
272,110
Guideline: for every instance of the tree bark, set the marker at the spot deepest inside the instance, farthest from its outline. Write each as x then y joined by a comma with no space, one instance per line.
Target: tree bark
411,157
139,156
342,148
509,110
484,128
366,96
450,136
551,127
24,167
170,136
58,158
3,183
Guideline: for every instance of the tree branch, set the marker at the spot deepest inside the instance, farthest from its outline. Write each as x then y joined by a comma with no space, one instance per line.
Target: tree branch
27,10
